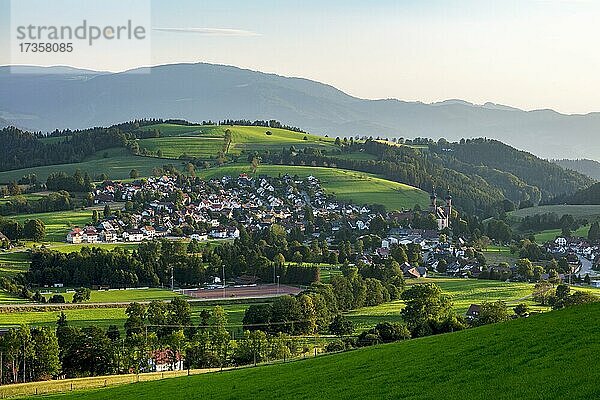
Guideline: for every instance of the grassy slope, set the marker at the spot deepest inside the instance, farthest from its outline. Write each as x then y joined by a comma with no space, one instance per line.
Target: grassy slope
14,262
104,317
59,223
496,254
463,293
28,196
358,187
589,211
547,356
117,165
551,234
206,141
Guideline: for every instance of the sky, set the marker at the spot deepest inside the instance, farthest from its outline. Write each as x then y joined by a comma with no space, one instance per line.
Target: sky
530,54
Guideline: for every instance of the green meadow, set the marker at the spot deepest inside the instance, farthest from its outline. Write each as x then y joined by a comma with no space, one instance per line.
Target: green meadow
357,155
11,263
116,165
462,292
206,142
59,223
104,317
120,296
70,248
497,254
551,234
547,356
577,211
27,196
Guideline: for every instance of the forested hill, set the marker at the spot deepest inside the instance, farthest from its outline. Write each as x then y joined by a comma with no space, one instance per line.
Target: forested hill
590,168
589,196
481,173
487,157
21,149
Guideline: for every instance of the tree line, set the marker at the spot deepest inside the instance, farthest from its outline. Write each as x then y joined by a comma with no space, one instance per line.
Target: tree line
151,264
57,201
33,229
77,182
23,149
285,328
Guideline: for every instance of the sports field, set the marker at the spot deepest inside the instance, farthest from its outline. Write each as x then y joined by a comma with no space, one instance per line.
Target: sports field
243,292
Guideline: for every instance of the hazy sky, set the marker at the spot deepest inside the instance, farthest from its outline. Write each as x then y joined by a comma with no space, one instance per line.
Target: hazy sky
526,53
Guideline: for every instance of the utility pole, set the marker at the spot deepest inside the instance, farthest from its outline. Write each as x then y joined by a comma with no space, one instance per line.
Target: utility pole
277,284
223,280
172,272
24,366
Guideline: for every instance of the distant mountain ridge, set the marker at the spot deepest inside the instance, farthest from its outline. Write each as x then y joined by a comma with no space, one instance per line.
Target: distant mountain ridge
590,168
80,98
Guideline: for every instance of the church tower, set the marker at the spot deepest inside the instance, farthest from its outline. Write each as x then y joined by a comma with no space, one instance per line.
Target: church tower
448,203
433,198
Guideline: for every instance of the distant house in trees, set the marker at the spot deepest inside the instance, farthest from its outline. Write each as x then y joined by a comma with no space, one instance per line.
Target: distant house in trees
413,272
149,231
199,236
165,360
5,242
473,312
90,234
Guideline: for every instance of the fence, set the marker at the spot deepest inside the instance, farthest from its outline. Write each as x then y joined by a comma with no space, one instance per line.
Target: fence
67,385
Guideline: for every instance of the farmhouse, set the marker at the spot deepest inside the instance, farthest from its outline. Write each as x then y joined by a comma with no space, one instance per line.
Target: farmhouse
148,231
75,236
199,236
165,360
133,235
90,234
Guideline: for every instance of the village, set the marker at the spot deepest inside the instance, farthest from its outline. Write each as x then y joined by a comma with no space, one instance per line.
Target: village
213,209
164,207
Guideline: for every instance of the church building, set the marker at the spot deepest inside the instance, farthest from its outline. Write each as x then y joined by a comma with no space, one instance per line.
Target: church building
442,213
